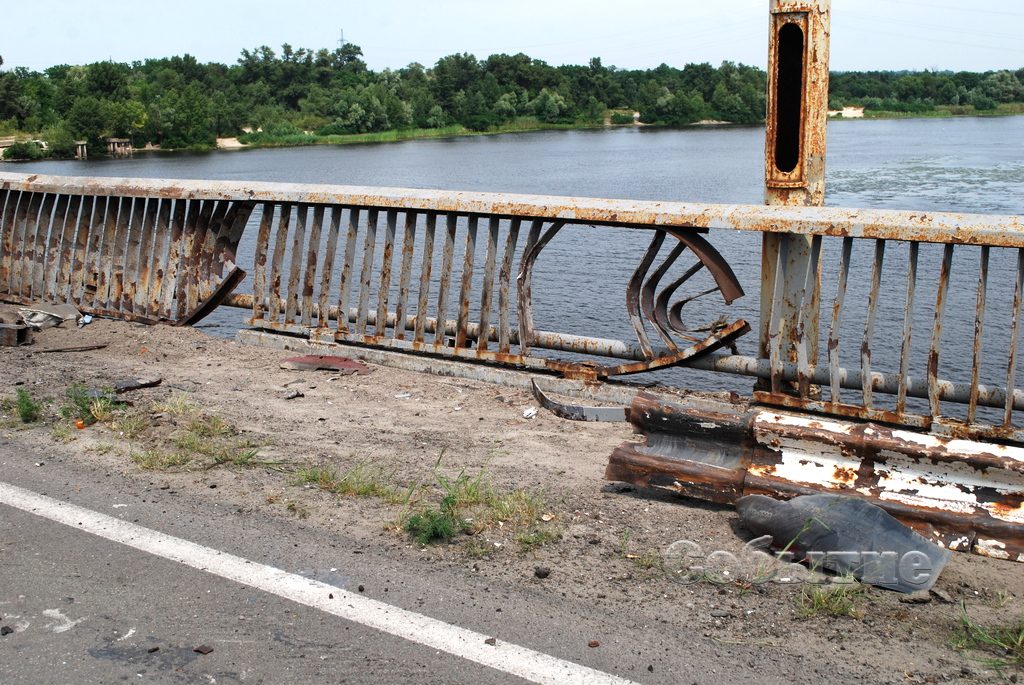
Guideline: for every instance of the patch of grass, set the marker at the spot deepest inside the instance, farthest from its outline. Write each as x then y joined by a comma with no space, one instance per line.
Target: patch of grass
129,424
834,599
78,404
1005,643
27,408
62,432
213,440
537,537
155,460
102,448
431,525
362,480
177,404
102,408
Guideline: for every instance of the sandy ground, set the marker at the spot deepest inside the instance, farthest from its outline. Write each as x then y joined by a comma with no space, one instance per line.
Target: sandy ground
609,538
229,144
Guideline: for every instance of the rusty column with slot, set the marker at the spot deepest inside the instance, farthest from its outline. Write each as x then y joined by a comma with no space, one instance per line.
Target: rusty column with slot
794,175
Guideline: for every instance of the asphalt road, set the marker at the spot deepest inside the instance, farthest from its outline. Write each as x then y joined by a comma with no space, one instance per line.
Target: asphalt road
85,609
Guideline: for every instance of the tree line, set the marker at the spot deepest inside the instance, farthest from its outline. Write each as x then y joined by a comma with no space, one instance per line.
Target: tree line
177,102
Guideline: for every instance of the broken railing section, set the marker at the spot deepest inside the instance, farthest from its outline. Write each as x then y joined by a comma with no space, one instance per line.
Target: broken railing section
964,495
146,259
412,280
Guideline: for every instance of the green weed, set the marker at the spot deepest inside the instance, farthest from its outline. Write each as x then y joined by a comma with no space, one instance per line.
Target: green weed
836,600
28,409
1005,643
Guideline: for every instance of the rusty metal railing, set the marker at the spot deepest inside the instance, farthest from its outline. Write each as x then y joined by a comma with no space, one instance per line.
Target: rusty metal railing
451,274
141,257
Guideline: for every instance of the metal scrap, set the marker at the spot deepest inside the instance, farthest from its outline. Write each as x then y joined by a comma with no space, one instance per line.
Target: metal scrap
961,494
576,412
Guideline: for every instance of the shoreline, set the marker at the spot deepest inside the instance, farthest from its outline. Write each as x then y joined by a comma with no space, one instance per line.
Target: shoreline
233,143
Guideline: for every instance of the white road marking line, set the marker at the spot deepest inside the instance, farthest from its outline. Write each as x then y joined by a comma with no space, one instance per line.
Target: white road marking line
461,642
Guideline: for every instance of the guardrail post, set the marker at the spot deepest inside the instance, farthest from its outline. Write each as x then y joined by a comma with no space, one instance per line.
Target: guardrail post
794,159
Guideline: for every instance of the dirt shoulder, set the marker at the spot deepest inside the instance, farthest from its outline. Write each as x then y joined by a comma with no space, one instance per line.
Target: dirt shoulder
371,452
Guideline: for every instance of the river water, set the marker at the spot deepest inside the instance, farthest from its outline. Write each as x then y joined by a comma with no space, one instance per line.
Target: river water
963,164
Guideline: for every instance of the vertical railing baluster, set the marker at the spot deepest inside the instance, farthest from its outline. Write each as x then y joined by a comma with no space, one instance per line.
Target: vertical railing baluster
169,290
345,287
54,251
160,257
524,280
35,263
117,207
490,263
133,246
67,264
24,247
869,324
504,285
210,210
366,277
149,258
775,360
12,208
447,263
426,268
466,287
92,226
933,353
323,304
837,311
309,279
386,258
259,262
807,300
277,265
1011,366
979,325
908,325
405,275
291,306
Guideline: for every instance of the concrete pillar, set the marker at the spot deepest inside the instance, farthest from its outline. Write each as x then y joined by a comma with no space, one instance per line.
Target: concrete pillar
794,159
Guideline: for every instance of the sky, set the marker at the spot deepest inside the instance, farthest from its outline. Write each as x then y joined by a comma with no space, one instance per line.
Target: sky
972,35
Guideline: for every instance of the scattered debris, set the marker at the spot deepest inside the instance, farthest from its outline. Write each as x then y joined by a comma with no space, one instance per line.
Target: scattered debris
530,412
137,384
848,536
542,572
293,394
15,334
203,649
491,641
575,412
593,643
77,348
6,630
403,395
325,362
42,315
152,650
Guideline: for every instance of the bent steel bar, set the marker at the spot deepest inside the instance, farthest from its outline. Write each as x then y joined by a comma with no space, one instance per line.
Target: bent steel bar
929,227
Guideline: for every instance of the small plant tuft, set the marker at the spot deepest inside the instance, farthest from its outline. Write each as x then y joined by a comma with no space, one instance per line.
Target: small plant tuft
27,408
834,599
1005,643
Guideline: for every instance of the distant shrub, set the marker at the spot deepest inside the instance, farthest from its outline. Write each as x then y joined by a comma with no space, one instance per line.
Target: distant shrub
26,150
619,118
